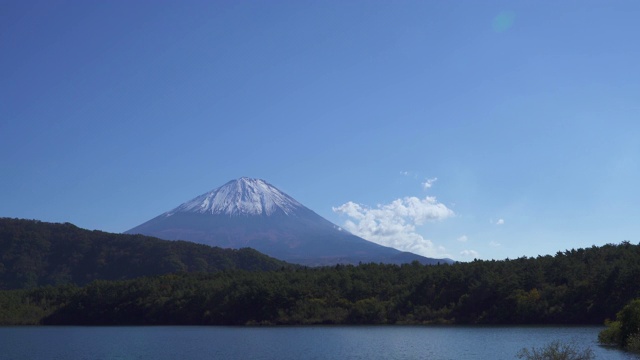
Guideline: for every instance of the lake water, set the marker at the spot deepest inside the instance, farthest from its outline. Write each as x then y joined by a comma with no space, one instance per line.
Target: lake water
314,342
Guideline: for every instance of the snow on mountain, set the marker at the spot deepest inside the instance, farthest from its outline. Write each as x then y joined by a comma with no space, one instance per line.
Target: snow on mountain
244,196
253,213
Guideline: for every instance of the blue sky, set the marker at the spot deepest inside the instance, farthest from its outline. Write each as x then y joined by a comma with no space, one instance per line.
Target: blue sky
465,129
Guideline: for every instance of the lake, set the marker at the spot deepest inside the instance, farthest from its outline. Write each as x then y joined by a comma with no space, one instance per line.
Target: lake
313,342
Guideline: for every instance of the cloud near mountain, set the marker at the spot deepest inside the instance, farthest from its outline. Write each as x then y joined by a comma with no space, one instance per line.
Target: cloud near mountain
394,224
252,213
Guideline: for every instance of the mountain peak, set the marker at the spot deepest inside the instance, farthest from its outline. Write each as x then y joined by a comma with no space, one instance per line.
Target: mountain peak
249,212
241,197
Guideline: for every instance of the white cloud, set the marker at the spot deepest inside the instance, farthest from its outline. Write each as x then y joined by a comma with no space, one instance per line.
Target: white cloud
469,253
463,238
394,224
428,183
409,174
494,243
500,222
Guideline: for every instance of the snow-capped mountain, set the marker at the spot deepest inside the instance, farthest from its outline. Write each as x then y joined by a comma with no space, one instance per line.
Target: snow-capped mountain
244,196
253,213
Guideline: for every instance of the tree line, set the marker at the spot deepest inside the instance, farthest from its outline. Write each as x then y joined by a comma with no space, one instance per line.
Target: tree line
578,286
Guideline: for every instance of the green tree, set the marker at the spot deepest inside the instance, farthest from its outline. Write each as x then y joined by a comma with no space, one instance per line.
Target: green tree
629,318
625,331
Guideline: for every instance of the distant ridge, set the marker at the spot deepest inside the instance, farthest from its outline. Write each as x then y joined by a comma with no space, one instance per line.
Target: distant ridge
249,212
35,253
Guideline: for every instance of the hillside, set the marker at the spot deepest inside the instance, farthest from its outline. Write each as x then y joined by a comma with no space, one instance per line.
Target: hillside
34,253
583,286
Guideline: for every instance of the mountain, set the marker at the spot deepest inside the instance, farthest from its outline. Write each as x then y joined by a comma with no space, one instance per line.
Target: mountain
34,253
253,213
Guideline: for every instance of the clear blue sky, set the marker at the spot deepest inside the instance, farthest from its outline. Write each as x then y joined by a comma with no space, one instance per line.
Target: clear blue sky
486,129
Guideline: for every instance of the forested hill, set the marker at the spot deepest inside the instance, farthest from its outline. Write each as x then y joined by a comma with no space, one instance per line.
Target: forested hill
34,253
583,286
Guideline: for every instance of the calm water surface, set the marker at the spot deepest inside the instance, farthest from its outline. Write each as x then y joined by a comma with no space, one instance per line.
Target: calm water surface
339,342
